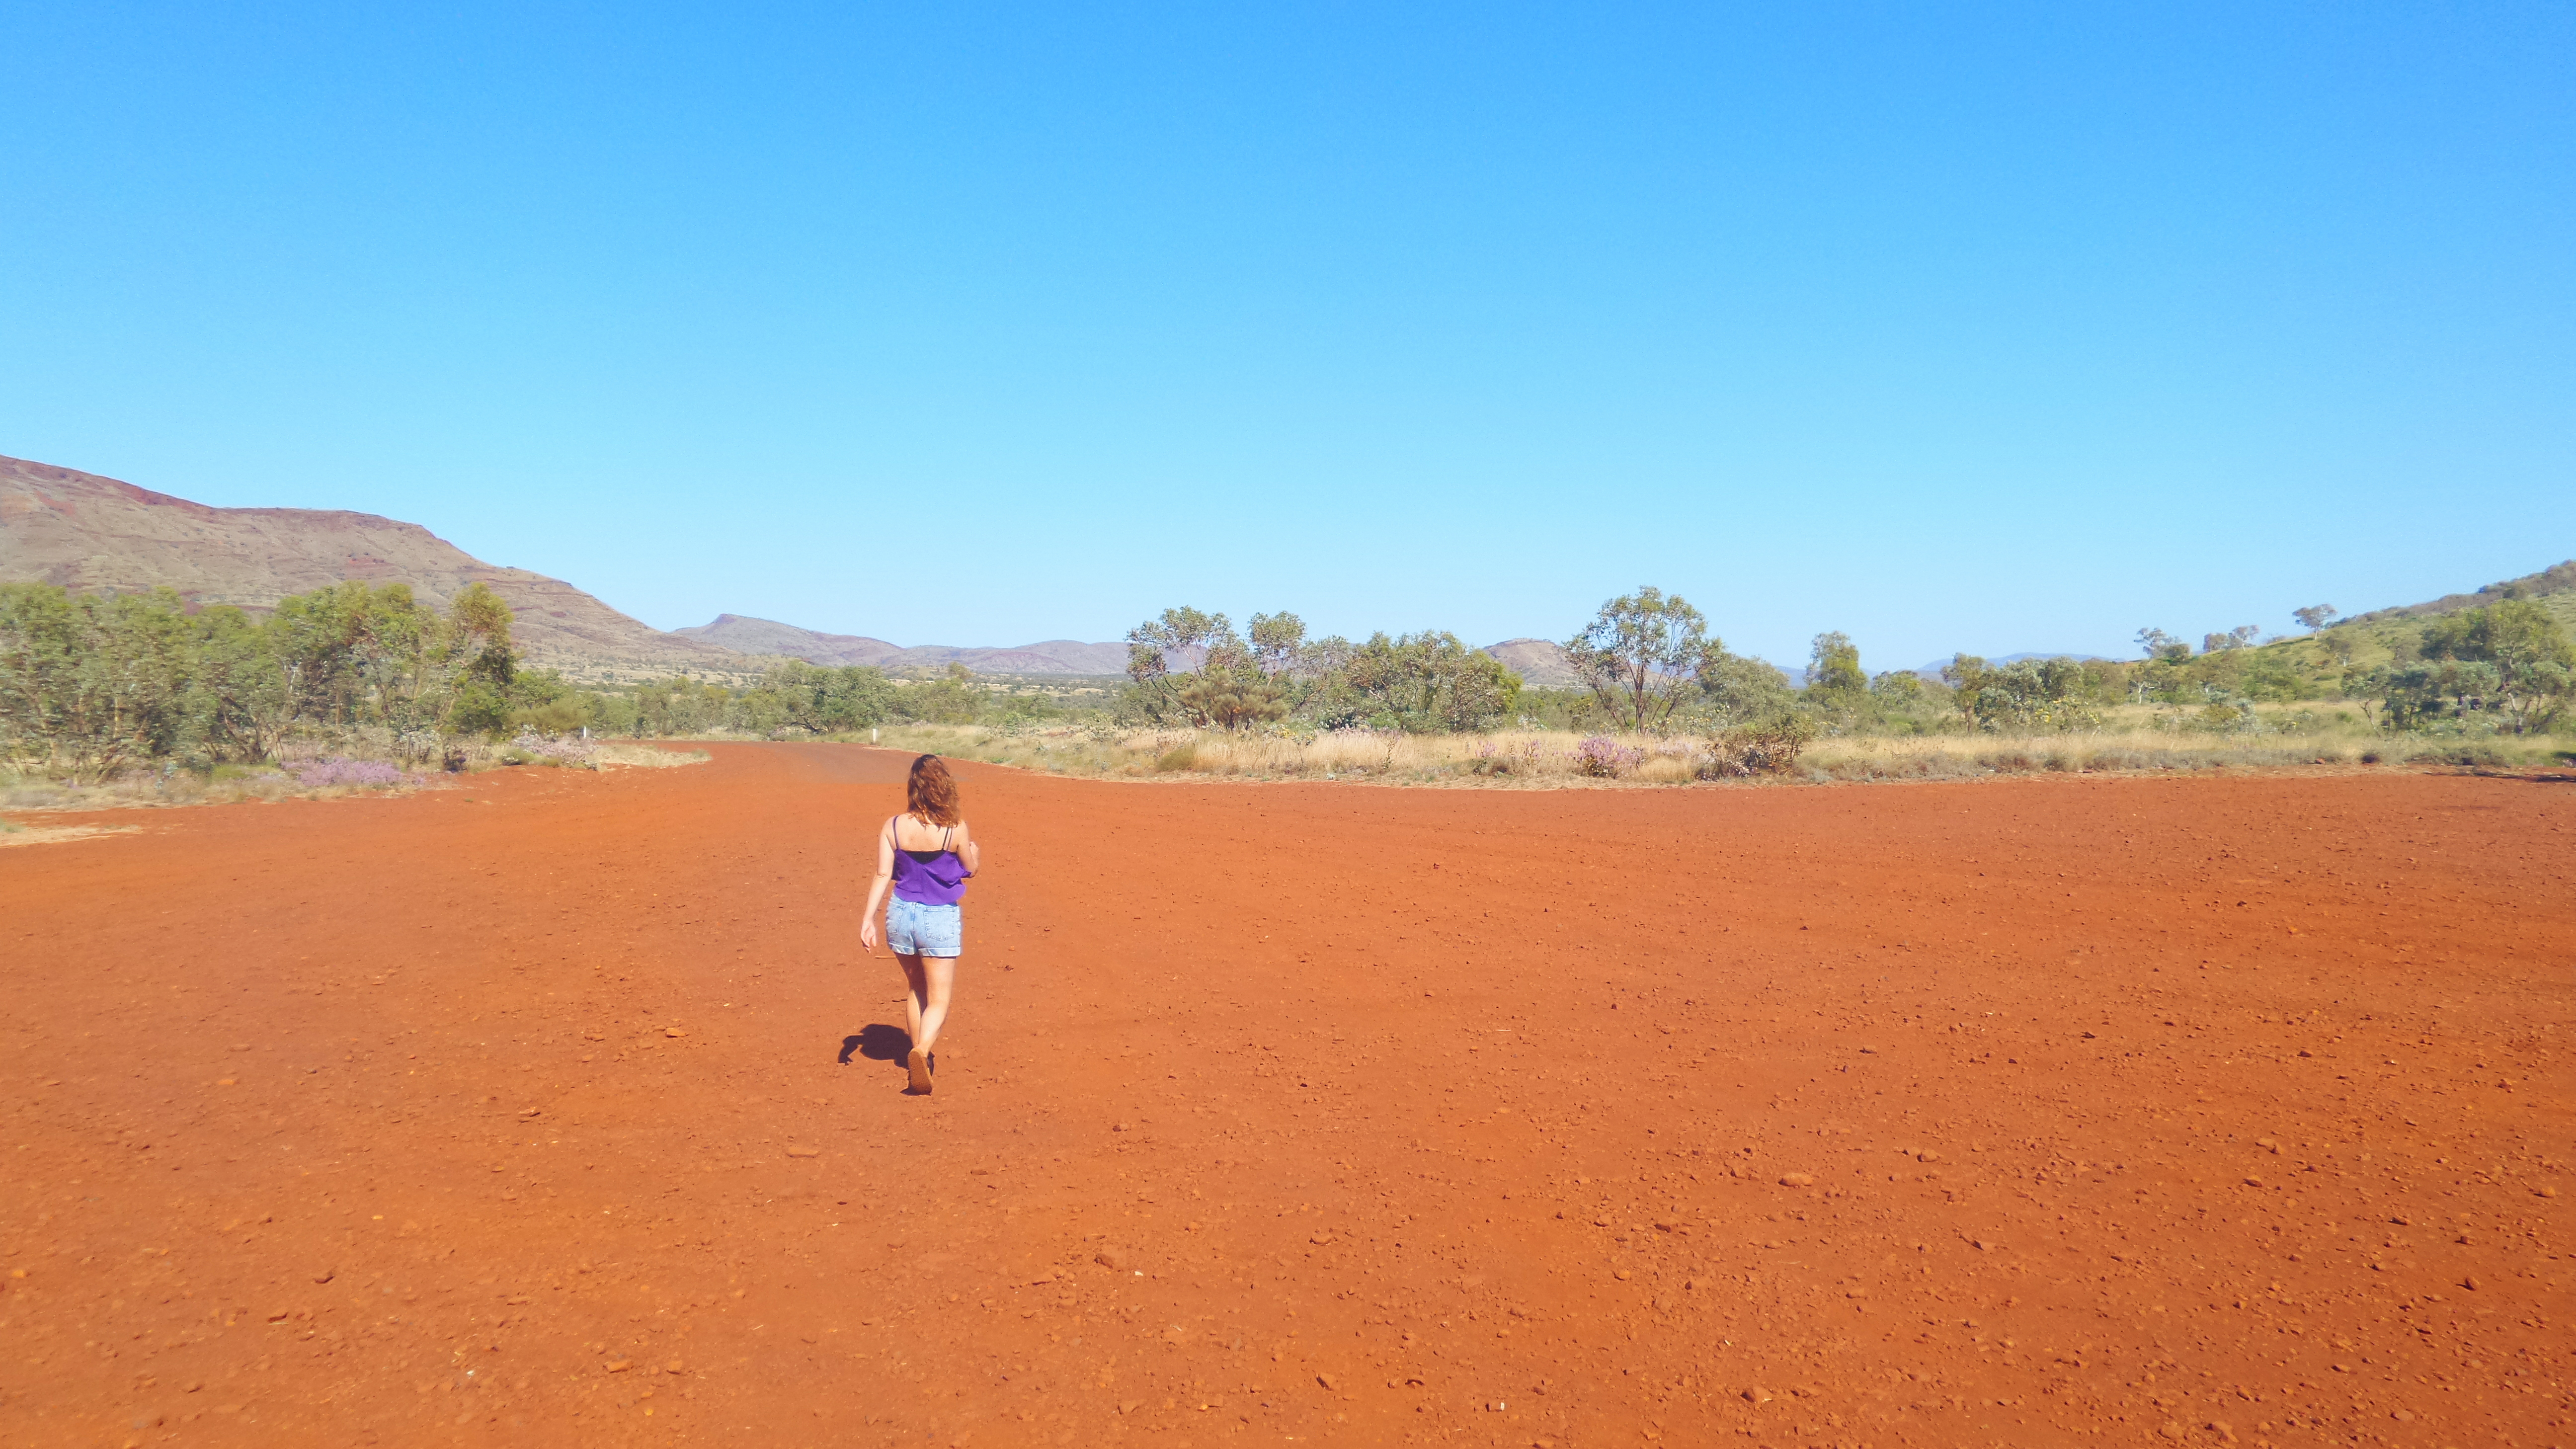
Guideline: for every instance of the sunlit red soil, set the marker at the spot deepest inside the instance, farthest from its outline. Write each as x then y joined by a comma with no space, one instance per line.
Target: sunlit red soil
564,1109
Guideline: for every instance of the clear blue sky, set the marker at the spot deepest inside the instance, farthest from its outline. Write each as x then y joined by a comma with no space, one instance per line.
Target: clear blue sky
1952,327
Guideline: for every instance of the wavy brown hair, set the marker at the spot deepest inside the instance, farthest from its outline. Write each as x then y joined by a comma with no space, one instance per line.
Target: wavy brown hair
930,792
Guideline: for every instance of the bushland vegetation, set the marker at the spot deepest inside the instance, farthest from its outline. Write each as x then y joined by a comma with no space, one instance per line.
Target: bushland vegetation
94,685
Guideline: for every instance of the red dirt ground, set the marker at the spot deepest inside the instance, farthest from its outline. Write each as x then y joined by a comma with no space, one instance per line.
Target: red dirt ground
2049,1112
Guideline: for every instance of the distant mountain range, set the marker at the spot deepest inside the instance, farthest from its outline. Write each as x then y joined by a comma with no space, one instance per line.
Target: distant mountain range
62,526
1933,669
767,636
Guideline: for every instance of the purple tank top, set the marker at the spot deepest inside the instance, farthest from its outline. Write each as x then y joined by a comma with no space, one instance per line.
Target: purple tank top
929,877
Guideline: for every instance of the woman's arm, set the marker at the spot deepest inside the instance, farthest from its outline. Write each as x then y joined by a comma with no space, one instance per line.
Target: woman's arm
877,889
968,852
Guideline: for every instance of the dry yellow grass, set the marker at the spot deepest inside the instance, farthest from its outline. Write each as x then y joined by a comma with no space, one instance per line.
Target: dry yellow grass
2143,741
626,754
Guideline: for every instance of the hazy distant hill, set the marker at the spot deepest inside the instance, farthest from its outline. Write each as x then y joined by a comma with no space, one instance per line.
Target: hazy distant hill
767,636
77,529
1539,663
1933,669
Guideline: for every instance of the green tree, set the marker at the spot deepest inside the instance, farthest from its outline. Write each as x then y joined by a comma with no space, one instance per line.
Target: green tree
1837,687
242,701
2027,694
2314,616
950,699
2529,652
1429,683
1737,690
1158,648
1232,699
818,699
1641,655
90,684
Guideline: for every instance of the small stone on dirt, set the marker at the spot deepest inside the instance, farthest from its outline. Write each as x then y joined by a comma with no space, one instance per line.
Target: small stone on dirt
673,1031
1797,1179
1112,1259
673,1367
795,1151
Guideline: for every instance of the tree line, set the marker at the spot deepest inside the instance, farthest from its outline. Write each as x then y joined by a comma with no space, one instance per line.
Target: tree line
91,684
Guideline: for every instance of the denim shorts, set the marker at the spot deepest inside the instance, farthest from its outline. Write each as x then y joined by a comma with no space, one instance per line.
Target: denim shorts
916,929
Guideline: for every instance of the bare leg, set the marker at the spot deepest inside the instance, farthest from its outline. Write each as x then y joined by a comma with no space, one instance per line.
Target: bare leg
941,972
930,980
916,991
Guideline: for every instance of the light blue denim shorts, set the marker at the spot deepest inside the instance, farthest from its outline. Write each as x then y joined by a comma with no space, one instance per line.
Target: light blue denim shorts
916,929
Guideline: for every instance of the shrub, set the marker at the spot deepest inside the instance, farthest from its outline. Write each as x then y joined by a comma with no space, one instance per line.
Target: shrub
1604,758
1770,747
337,770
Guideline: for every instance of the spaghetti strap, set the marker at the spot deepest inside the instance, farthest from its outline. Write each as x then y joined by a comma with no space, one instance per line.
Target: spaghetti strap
946,836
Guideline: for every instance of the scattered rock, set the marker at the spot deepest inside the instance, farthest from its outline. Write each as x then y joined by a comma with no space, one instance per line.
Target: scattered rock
2469,1283
1327,1381
673,1031
1927,1156
1797,1179
1621,1274
795,1151
674,1366
1757,1395
326,1275
526,1112
1114,1259
620,1365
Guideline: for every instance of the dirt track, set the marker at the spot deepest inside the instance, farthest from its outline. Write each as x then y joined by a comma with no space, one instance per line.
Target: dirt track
2098,1111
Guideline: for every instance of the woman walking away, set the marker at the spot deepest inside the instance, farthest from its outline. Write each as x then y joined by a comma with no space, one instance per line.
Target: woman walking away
927,854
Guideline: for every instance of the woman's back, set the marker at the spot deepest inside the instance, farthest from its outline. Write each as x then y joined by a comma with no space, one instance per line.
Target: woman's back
927,869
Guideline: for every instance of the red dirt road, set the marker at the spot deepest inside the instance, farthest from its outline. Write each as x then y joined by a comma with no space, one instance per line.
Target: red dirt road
2049,1112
